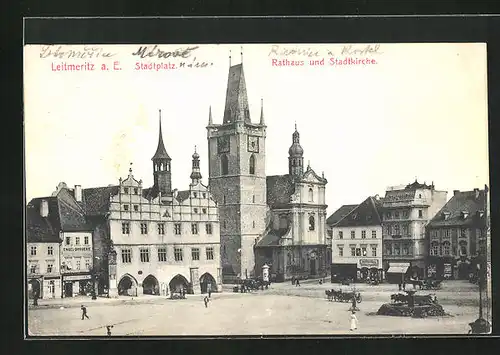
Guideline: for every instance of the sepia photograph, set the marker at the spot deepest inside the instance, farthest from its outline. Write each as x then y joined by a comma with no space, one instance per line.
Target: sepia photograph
256,189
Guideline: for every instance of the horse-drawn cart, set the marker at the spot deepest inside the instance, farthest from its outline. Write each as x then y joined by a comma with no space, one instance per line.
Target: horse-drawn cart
340,296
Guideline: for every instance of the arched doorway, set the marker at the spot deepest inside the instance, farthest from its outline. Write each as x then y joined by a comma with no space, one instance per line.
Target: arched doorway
34,289
178,283
127,286
150,286
207,281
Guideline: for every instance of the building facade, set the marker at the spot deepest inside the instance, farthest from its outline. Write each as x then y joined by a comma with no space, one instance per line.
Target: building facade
42,254
407,210
457,236
357,242
163,240
294,242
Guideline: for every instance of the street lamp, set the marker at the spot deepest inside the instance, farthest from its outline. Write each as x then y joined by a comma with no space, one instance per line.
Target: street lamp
480,325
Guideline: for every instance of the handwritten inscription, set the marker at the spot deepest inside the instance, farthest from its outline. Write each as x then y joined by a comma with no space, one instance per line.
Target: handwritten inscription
87,52
155,51
279,51
362,51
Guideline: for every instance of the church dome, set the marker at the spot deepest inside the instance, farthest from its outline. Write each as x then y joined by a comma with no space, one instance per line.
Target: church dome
295,149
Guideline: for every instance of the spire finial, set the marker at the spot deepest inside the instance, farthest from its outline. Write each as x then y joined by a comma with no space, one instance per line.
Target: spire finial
229,58
195,148
210,115
130,169
295,125
241,52
261,111
308,164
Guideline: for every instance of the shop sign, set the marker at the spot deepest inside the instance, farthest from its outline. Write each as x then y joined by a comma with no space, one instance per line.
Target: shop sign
399,265
368,262
77,277
76,249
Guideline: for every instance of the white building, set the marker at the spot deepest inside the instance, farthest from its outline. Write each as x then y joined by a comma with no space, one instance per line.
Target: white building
357,242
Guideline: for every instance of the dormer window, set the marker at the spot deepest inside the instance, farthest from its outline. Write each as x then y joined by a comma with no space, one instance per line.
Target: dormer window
195,195
465,214
125,190
354,216
446,215
136,191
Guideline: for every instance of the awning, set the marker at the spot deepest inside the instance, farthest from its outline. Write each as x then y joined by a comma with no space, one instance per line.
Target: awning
397,270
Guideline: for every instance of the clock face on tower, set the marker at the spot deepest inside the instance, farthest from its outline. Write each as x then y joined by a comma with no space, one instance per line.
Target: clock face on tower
223,144
253,144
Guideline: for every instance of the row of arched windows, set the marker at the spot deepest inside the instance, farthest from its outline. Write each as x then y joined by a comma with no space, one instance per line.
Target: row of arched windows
224,165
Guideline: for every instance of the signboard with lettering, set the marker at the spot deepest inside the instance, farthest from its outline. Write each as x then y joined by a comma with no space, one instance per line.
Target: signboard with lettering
77,277
368,262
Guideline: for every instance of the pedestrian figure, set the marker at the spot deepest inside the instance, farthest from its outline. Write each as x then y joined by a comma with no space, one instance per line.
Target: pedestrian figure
210,292
399,285
206,300
35,299
293,280
298,283
404,285
84,312
108,327
354,321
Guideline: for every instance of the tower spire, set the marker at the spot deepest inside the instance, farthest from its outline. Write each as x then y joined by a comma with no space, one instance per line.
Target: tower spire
210,115
295,155
261,111
162,174
195,171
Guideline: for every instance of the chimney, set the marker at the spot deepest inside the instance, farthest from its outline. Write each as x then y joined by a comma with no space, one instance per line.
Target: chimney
456,192
44,208
476,191
78,193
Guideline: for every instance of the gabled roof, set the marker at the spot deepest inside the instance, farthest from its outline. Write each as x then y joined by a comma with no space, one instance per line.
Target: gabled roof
279,189
272,237
336,216
310,171
365,214
96,199
42,229
461,202
72,220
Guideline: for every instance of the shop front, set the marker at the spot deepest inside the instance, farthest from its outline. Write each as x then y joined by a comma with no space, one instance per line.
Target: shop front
450,268
77,284
397,272
370,269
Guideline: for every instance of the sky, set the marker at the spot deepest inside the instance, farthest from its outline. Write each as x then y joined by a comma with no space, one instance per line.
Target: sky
419,112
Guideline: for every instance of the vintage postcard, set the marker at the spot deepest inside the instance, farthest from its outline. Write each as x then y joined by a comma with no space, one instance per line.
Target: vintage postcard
257,189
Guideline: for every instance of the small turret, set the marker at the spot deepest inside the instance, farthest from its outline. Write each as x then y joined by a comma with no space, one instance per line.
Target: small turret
195,173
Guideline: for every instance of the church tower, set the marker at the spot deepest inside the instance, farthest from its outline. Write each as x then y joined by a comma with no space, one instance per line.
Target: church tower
162,174
296,156
237,178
